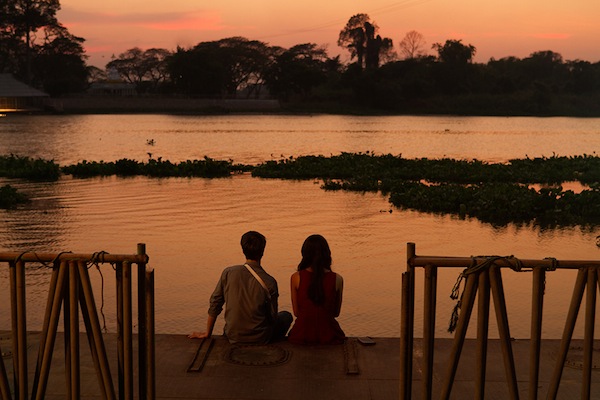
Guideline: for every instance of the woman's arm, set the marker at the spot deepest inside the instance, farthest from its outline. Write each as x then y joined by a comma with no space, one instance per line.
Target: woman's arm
339,289
294,285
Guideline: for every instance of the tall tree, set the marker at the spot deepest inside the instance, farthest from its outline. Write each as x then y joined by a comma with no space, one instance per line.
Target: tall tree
142,68
298,70
23,20
59,62
220,68
29,33
413,45
455,52
360,36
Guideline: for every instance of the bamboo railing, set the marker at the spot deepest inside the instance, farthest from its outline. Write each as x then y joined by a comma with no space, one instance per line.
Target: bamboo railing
70,289
483,277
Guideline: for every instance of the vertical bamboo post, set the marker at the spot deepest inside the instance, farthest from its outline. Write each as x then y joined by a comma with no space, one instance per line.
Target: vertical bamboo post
120,345
44,334
588,338
467,301
67,333
537,306
142,338
407,324
504,331
127,332
90,338
21,330
411,319
404,350
12,272
88,306
4,385
483,318
74,329
150,328
58,297
429,329
567,333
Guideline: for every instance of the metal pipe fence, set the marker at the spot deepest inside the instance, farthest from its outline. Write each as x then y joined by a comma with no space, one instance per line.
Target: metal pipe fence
70,290
483,280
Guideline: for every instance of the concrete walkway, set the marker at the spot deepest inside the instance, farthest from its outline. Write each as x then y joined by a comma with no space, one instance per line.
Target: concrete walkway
192,369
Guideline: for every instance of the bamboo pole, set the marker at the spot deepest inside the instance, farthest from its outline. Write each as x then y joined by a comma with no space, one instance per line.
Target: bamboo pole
410,270
429,329
406,326
52,257
12,272
483,319
4,385
74,330
45,325
537,306
150,328
67,333
90,338
465,262
405,352
467,301
578,290
21,332
504,331
57,300
97,342
127,332
120,345
142,337
588,337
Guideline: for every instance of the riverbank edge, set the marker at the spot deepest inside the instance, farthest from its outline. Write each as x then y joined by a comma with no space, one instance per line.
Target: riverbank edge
588,107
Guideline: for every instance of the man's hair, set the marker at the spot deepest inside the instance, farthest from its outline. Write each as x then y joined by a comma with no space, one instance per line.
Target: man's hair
253,245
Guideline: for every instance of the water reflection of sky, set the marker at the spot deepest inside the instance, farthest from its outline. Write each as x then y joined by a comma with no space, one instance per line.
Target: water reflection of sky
257,138
192,226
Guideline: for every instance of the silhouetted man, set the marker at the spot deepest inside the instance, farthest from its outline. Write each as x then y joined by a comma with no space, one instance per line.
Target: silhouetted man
250,296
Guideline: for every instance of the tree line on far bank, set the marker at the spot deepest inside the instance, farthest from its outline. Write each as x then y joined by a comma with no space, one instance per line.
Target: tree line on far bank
380,77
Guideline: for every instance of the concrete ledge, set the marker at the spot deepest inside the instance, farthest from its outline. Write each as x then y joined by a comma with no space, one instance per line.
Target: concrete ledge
311,372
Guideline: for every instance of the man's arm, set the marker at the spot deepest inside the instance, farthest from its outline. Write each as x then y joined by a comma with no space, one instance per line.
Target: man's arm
217,299
210,324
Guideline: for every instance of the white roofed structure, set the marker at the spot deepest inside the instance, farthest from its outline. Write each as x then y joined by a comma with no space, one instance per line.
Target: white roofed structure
17,96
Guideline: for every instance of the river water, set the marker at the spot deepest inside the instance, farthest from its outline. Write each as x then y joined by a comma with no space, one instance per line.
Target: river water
191,227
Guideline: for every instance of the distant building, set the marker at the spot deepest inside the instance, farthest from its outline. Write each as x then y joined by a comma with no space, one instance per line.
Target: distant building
17,96
113,86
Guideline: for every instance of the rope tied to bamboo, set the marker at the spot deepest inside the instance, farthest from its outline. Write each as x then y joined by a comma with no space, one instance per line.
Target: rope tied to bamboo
478,264
96,260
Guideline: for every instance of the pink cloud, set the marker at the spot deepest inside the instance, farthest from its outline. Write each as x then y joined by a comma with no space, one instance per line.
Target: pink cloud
198,20
559,36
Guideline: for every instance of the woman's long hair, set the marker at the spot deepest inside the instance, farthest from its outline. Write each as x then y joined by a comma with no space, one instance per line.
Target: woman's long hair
316,254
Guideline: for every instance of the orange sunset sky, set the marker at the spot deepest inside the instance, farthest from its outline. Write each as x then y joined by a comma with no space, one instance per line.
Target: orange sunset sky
497,28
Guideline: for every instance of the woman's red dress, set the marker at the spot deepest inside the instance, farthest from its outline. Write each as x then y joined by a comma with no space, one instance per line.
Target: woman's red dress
316,324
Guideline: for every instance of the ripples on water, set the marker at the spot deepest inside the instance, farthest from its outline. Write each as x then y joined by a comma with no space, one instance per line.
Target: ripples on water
192,226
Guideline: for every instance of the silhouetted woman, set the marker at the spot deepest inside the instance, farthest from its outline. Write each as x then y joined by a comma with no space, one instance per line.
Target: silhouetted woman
316,296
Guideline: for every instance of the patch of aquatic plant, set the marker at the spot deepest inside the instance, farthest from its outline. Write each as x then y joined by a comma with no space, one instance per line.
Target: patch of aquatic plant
10,197
28,168
585,169
205,168
501,203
